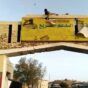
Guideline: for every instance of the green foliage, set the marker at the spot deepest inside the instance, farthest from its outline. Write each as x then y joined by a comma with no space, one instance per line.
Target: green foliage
64,85
29,71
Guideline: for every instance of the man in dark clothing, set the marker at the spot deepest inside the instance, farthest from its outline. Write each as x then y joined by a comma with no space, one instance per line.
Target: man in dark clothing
15,84
47,13
49,22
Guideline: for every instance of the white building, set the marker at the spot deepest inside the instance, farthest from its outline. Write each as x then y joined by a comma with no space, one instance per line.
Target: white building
43,84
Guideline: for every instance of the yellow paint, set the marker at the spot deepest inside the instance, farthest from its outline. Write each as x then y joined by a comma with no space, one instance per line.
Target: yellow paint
62,29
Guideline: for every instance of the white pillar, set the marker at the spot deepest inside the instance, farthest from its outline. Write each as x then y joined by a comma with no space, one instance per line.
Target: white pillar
3,61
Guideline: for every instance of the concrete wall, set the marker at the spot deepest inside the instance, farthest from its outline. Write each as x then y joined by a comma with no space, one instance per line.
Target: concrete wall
43,84
4,28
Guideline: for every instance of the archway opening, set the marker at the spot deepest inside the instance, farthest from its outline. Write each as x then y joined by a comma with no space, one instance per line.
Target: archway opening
60,64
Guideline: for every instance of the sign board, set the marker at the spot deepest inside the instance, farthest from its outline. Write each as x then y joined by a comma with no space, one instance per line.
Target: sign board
53,29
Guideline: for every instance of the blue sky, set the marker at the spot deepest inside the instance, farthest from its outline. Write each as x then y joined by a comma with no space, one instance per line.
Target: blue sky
13,10
60,64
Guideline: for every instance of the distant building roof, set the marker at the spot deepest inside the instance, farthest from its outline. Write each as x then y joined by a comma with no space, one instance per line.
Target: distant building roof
80,84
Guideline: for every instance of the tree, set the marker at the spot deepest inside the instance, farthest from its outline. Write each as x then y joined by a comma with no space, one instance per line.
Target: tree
29,71
64,85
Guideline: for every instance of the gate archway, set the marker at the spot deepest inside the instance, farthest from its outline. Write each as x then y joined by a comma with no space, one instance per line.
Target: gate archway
4,54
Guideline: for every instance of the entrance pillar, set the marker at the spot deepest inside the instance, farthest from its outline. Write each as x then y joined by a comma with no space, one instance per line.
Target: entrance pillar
5,66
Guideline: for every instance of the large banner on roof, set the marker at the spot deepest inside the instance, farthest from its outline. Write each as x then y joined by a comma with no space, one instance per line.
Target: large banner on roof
54,29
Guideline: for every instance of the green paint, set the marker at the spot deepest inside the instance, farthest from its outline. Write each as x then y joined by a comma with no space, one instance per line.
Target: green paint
42,26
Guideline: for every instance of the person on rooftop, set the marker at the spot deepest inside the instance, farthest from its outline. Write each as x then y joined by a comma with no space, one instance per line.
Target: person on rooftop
47,14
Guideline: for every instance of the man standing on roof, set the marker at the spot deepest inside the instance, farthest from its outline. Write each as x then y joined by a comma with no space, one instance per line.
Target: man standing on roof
47,13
